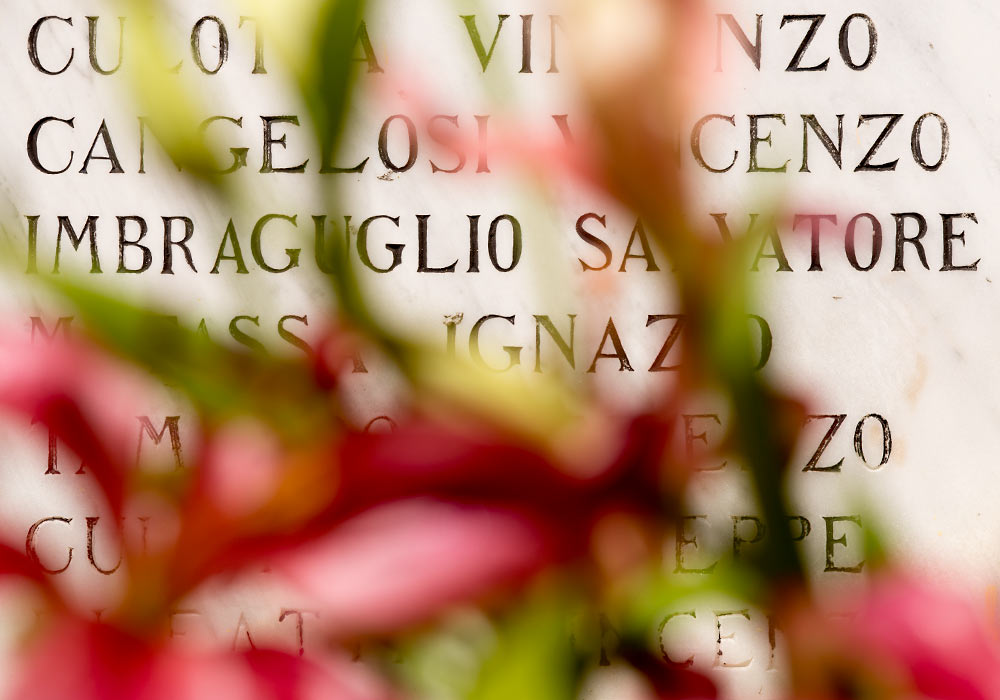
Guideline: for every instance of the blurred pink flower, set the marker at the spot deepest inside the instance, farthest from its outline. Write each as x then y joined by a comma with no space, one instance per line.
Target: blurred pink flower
381,531
903,638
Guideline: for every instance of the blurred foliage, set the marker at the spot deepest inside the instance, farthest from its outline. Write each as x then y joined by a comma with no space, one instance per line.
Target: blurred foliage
532,658
223,383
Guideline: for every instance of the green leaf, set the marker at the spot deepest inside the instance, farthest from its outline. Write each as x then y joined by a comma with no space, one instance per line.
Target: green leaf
220,381
533,659
326,83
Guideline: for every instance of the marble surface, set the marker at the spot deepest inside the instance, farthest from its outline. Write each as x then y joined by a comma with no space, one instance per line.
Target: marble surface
916,347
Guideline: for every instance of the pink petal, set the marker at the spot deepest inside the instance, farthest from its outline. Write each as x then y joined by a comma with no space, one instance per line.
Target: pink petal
241,468
935,634
402,562
88,400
